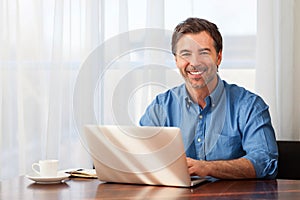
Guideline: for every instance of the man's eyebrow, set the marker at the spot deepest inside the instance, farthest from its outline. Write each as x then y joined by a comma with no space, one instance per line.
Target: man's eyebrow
184,51
204,49
199,50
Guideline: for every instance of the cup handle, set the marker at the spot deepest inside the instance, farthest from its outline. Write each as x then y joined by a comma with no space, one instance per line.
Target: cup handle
34,165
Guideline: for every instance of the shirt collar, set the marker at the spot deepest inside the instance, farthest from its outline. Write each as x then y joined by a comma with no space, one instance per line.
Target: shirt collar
188,99
215,96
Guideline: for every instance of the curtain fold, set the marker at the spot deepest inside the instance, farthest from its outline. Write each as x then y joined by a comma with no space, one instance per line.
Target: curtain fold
296,72
42,46
276,74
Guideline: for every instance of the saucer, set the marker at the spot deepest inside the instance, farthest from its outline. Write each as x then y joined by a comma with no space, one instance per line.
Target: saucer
61,176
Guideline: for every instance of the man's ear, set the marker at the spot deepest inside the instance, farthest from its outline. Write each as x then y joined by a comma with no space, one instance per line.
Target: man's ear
219,58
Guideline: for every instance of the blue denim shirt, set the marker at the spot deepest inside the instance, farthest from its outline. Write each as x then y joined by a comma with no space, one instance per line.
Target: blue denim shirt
235,123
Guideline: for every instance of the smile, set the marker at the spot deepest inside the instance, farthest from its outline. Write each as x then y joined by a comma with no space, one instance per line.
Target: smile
195,72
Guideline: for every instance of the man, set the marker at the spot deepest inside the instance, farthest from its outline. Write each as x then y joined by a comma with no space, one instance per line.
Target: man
226,130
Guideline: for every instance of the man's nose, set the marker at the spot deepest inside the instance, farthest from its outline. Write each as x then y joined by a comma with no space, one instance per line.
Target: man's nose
194,60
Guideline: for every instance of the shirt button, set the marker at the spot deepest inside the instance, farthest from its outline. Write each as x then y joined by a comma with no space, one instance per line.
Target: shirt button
200,116
199,139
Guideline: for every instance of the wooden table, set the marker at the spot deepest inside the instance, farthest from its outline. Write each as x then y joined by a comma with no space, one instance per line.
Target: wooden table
23,188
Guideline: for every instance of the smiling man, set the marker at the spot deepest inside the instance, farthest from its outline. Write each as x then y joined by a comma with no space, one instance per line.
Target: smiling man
226,130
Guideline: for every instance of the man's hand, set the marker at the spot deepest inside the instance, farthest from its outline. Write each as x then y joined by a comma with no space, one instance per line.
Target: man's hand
198,167
227,169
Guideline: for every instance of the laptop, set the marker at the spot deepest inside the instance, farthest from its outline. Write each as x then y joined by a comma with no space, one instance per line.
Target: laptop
139,155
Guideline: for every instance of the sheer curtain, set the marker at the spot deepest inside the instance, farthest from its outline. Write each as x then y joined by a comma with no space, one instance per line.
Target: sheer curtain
277,66
43,45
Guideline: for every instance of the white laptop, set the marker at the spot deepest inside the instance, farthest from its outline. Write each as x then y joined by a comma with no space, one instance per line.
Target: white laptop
139,155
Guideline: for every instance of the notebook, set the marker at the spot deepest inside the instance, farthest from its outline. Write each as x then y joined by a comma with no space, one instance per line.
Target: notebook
139,155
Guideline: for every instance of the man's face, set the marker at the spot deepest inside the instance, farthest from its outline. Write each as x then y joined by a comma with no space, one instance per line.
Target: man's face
197,60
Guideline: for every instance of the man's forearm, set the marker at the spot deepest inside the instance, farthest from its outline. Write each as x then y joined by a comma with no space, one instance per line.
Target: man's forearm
236,169
227,169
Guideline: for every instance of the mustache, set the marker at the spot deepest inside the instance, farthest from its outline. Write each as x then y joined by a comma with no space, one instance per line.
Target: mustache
199,68
202,67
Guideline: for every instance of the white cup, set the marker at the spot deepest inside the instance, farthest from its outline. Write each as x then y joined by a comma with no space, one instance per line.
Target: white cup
47,168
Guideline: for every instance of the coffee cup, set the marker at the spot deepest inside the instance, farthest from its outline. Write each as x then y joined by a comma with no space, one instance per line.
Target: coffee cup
46,168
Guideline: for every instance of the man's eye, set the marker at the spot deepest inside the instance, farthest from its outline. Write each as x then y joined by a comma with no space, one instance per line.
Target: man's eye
185,55
203,53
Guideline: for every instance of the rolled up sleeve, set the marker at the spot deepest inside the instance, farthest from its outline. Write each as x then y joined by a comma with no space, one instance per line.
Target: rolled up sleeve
259,141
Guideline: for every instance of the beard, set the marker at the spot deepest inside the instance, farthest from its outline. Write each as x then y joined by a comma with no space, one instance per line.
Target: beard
199,77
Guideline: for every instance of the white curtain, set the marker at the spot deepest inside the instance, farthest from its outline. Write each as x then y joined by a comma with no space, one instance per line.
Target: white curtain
43,45
277,63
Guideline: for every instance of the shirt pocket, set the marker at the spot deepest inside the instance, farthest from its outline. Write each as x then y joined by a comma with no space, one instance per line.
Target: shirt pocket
225,148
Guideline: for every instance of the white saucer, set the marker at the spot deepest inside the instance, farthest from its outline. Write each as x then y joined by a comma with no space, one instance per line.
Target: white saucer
61,176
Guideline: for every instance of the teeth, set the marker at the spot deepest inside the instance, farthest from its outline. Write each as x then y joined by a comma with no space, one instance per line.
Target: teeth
196,72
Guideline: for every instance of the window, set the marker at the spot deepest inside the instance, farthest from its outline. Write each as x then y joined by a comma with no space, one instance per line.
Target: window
236,21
